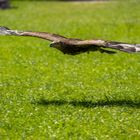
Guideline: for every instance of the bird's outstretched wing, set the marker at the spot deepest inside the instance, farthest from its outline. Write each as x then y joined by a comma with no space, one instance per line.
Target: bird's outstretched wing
125,47
74,46
44,35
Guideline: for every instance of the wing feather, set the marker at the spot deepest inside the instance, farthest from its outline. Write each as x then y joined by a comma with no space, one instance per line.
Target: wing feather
43,35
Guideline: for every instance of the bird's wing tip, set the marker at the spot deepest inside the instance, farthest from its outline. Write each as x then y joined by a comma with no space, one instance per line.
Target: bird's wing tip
4,28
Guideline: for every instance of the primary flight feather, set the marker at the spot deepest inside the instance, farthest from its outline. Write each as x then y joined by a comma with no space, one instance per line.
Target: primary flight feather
74,46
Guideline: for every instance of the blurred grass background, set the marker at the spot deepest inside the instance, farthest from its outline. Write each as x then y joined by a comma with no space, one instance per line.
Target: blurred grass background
48,95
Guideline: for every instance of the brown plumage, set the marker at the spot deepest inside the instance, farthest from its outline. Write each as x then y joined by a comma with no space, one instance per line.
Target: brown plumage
74,46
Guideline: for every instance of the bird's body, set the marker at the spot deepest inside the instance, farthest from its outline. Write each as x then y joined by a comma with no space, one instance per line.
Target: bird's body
74,46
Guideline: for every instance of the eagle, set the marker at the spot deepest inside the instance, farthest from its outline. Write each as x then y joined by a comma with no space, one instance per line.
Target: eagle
73,46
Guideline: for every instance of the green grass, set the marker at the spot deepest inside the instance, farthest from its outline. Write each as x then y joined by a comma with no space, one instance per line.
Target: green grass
45,94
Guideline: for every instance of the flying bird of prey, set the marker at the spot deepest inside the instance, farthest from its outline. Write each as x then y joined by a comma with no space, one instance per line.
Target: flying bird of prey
74,46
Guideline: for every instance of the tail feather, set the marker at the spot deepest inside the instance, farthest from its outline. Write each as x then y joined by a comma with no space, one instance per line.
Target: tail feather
7,31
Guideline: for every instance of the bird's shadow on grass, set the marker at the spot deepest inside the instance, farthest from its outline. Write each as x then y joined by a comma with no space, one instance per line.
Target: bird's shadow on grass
90,104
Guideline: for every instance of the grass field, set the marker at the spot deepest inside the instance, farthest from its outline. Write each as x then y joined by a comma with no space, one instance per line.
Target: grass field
45,94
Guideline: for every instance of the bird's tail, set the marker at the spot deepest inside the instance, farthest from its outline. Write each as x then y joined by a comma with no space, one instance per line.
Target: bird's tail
7,31
131,48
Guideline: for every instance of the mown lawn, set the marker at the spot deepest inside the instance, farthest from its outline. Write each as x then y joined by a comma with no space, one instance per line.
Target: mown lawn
45,94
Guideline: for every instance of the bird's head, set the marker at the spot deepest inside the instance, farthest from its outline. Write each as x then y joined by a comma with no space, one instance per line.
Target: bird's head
58,45
64,47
